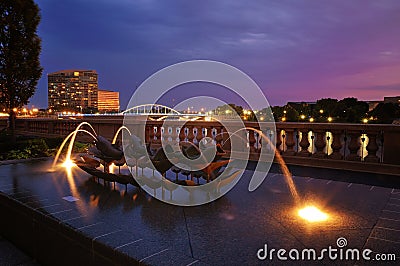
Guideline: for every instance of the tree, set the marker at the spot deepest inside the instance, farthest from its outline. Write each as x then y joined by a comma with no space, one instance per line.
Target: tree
20,48
228,109
351,110
326,107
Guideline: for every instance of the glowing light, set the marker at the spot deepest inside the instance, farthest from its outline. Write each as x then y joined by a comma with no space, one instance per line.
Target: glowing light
312,214
284,112
283,119
15,109
68,163
365,120
302,116
321,111
330,119
311,119
111,168
35,110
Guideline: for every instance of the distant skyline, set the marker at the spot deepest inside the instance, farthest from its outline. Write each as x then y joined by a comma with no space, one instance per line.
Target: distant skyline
294,50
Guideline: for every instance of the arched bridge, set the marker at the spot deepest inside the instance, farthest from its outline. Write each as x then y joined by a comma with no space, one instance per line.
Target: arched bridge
159,112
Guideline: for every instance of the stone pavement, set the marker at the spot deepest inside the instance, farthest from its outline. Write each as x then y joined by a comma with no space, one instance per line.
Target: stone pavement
228,231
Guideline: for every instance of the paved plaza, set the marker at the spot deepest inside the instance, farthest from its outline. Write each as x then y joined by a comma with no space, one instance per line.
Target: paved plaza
228,231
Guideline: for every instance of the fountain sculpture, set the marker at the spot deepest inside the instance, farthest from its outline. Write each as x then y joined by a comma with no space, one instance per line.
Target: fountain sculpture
110,153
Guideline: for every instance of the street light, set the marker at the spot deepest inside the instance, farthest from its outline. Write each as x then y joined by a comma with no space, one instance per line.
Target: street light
321,111
302,116
365,120
311,119
330,119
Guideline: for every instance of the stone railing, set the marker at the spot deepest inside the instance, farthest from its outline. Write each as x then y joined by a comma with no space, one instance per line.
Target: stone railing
319,144
347,142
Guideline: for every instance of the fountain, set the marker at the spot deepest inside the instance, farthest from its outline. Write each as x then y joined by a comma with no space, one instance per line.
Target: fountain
306,211
110,154
68,162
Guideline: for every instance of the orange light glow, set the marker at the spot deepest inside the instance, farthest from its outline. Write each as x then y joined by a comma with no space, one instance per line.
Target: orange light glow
312,214
68,163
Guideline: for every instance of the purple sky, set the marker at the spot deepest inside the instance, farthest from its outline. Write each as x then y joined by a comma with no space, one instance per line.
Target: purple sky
294,50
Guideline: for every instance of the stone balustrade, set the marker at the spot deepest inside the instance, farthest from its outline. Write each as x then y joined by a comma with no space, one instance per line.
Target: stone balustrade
335,142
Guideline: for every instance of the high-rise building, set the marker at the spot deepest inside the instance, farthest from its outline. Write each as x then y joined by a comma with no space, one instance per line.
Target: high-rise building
108,101
73,90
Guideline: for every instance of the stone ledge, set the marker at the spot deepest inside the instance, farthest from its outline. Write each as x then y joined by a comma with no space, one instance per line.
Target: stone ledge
366,167
49,241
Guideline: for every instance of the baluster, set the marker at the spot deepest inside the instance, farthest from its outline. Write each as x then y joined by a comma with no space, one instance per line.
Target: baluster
182,134
158,135
190,135
354,146
199,136
148,133
289,142
278,141
252,141
209,133
167,135
152,134
174,134
259,140
219,137
304,143
372,147
319,144
336,145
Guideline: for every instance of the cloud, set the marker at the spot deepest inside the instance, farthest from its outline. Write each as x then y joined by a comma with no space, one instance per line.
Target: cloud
279,43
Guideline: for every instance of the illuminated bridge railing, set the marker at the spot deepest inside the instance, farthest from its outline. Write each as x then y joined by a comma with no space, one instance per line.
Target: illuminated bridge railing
325,145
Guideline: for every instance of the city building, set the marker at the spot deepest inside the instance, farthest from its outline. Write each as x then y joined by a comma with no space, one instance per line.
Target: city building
108,101
73,90
395,99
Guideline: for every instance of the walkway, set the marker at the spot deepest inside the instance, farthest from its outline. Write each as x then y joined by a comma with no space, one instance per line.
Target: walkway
114,225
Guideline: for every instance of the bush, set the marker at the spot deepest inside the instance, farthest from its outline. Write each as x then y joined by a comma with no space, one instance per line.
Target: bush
26,149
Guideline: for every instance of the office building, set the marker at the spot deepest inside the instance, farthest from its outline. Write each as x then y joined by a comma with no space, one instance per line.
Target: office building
108,101
73,90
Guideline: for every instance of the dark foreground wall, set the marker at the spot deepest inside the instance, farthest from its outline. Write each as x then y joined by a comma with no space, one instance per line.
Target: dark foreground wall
51,242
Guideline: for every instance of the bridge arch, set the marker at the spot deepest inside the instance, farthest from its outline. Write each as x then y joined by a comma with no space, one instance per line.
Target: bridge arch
151,109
